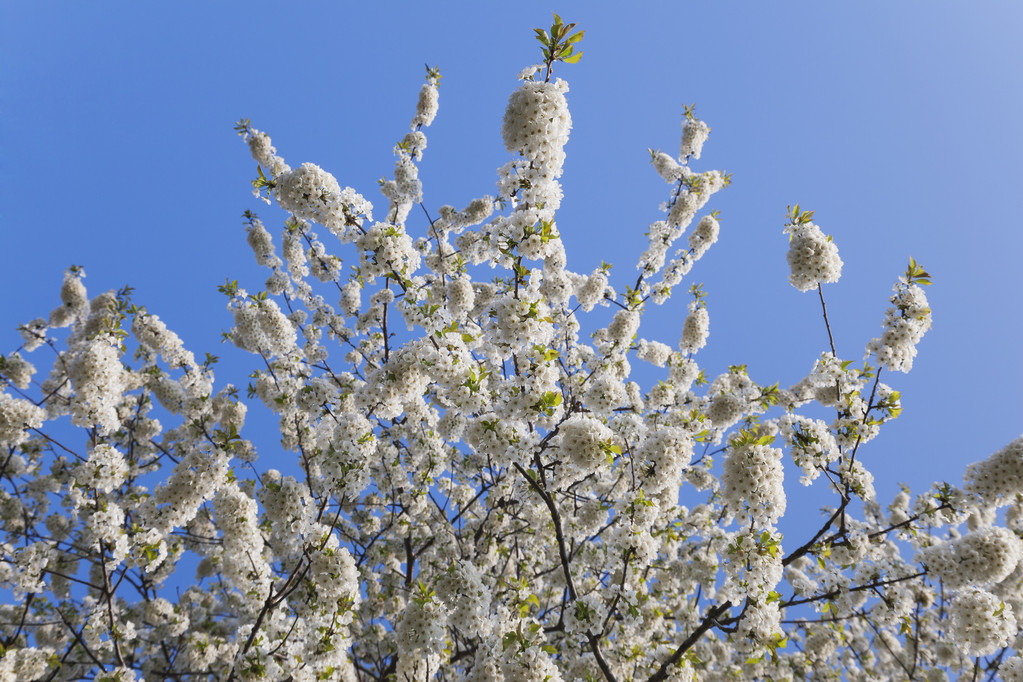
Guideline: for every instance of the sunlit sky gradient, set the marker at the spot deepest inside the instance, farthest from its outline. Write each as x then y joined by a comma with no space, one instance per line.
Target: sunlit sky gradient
898,122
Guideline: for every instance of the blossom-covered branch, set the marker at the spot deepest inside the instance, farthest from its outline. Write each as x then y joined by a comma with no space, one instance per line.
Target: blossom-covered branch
469,484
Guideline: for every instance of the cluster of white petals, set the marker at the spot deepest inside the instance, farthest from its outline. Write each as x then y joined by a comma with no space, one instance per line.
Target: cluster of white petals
537,123
104,470
905,324
263,151
98,380
585,442
980,623
704,236
812,445
978,558
261,327
16,369
313,194
694,134
429,102
695,329
17,415
812,256
753,479
999,478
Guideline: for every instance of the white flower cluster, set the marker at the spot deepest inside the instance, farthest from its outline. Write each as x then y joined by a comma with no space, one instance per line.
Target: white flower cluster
194,480
905,323
591,289
694,134
692,194
754,566
426,108
585,442
622,329
406,189
999,478
760,628
604,395
979,558
700,188
261,243
524,661
151,332
668,451
980,623
753,479
668,168
537,123
812,256
467,597
33,334
104,470
420,639
74,299
654,352
264,152
461,296
29,663
261,327
518,322
99,382
30,563
16,369
1011,669
387,248
347,445
313,194
730,396
241,552
812,445
705,236
16,415
695,329
105,527
335,576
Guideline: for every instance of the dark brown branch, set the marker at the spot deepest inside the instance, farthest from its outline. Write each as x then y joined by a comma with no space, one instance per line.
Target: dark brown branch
824,308
708,622
559,534
802,551
858,588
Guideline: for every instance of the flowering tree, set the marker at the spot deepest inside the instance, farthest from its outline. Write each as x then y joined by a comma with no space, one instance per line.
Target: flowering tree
476,490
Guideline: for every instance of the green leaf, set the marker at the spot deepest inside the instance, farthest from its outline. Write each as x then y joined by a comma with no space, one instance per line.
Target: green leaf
573,59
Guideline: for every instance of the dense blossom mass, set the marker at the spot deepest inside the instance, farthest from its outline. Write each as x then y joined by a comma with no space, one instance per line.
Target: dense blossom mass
469,484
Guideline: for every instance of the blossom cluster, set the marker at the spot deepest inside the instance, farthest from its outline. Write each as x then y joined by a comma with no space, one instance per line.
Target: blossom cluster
812,256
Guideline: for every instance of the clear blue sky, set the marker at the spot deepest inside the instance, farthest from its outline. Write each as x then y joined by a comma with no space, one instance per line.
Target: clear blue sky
898,122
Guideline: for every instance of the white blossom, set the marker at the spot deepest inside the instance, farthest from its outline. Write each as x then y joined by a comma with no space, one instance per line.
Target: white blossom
813,257
694,134
980,623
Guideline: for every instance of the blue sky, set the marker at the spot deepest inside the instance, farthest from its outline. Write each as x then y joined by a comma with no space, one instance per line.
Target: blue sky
899,123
